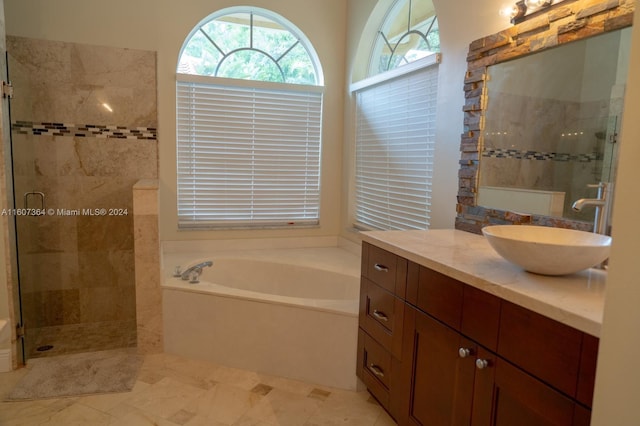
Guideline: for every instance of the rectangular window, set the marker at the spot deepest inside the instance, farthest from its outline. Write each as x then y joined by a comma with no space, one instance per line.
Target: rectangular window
248,156
395,135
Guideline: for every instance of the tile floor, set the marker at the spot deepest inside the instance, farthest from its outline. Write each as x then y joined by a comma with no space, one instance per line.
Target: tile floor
83,337
171,390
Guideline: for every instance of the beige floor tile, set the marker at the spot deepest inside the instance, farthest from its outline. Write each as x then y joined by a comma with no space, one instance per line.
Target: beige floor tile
136,417
247,421
30,412
80,415
172,390
239,378
182,417
355,416
204,421
384,420
164,398
283,408
190,372
15,413
347,408
224,403
289,385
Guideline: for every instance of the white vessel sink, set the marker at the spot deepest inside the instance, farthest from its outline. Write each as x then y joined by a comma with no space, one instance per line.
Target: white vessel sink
548,251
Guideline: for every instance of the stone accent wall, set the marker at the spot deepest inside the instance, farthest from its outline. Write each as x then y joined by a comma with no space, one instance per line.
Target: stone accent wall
562,23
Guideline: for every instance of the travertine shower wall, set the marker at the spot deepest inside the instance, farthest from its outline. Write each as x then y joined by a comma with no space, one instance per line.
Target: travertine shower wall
563,155
84,122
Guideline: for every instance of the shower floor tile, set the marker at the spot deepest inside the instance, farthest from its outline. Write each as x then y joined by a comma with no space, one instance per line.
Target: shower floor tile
75,338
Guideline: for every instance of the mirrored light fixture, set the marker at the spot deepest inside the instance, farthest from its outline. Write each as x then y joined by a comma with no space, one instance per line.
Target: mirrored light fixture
514,12
517,12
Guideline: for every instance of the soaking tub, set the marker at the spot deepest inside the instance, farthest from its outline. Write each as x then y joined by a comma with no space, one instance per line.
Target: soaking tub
285,312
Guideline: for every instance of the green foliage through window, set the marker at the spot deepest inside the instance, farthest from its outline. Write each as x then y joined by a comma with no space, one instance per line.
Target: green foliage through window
409,32
248,46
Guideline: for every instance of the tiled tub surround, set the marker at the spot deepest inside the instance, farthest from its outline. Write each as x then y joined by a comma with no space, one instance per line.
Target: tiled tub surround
291,312
575,300
564,23
77,270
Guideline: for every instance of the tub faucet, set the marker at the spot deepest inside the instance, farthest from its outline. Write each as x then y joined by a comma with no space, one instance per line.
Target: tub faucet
192,273
602,204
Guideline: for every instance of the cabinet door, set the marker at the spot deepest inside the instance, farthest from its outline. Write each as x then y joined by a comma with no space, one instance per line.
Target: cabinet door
438,382
516,398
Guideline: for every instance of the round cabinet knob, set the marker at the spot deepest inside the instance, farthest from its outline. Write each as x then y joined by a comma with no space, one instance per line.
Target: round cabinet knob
481,364
464,352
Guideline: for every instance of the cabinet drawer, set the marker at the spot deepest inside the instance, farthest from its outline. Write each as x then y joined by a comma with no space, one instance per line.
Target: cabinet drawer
438,295
381,316
543,347
385,269
374,367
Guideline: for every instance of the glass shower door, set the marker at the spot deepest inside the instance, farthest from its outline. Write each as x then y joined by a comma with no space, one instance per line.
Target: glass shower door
8,220
73,157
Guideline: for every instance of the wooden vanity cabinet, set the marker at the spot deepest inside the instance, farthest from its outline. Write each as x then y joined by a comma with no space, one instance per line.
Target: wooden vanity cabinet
470,358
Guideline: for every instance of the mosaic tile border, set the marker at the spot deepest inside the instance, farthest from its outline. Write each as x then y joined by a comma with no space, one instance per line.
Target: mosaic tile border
540,156
84,130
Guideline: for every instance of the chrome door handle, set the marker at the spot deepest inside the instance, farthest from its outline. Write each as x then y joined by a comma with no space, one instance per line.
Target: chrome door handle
464,352
481,364
380,268
380,315
376,370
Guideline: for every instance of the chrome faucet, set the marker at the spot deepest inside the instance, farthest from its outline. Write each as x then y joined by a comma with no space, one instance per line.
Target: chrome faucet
192,273
602,204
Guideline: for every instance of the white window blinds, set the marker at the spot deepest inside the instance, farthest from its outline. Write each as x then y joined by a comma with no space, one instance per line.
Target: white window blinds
395,136
248,156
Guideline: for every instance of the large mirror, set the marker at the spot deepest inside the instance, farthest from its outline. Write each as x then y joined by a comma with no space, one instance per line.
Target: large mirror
551,121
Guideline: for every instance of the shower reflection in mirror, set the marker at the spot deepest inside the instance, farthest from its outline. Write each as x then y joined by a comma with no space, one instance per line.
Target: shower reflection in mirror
550,126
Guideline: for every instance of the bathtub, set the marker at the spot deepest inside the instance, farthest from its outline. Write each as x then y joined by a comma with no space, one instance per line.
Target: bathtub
290,312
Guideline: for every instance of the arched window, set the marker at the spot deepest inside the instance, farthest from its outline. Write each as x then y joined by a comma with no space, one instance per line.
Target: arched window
395,120
409,32
249,120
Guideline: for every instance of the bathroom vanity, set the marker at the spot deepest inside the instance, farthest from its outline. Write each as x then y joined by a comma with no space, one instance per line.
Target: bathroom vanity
451,333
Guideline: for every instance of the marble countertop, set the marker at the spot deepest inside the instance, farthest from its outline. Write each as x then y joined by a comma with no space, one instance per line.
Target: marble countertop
576,300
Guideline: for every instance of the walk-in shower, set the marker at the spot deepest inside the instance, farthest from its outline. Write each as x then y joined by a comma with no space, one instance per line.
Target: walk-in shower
83,124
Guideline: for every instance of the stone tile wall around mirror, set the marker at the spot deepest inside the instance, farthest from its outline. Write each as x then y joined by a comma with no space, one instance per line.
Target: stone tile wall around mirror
79,268
147,261
561,24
